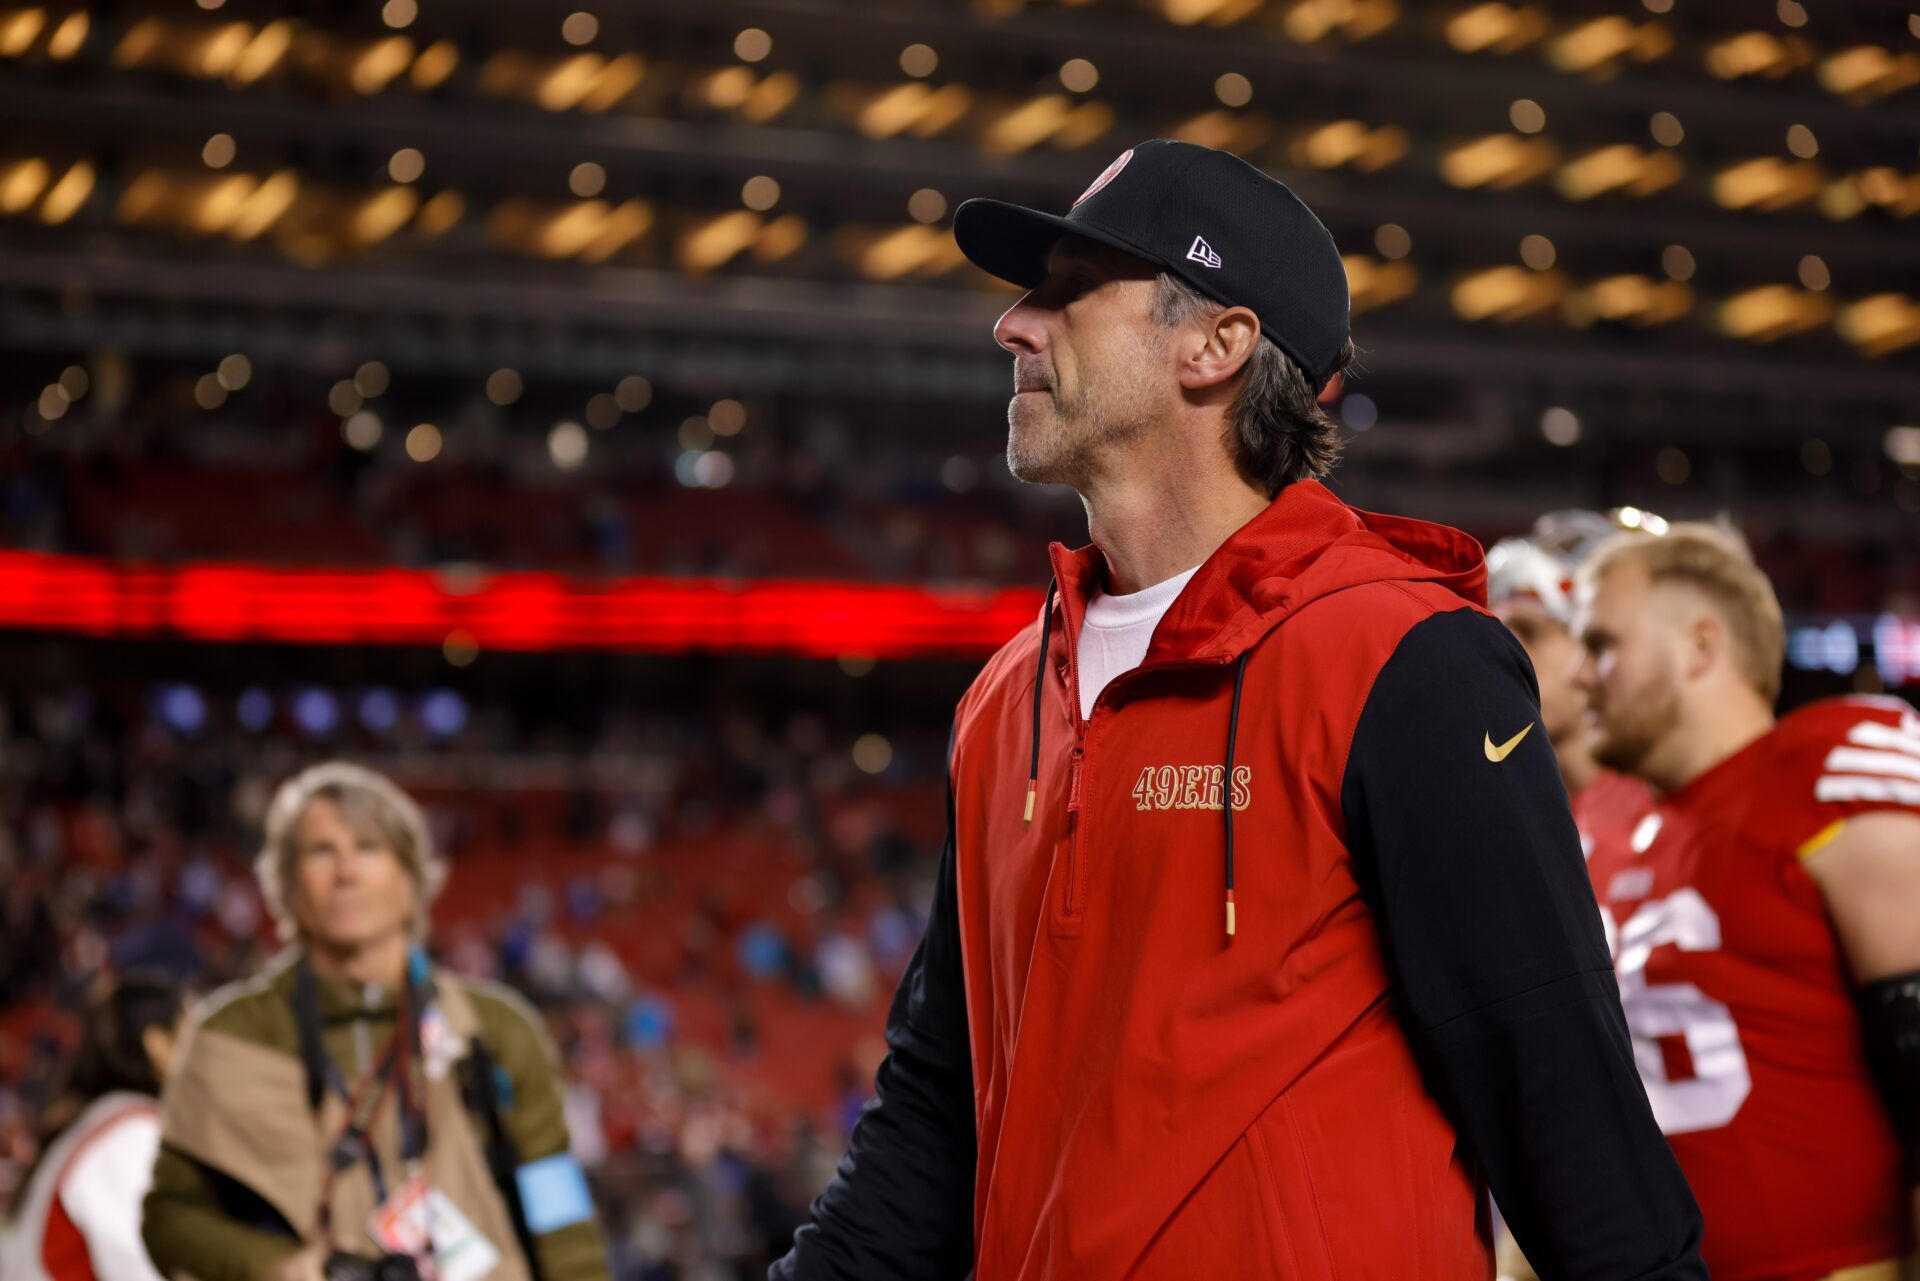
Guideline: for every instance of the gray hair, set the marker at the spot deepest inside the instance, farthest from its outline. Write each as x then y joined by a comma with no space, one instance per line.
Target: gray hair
1280,432
373,806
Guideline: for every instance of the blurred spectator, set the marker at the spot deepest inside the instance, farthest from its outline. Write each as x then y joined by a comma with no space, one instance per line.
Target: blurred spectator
312,1064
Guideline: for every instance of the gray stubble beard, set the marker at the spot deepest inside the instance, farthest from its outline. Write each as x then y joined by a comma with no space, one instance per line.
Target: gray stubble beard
1069,441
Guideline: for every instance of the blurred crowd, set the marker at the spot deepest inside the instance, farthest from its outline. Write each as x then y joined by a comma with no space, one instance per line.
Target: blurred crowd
795,490
813,498
654,493
711,922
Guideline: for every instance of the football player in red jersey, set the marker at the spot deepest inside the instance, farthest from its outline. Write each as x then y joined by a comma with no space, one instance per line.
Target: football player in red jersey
1763,906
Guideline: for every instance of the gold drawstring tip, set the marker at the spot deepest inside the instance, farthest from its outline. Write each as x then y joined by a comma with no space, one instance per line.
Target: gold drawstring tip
1229,914
1030,790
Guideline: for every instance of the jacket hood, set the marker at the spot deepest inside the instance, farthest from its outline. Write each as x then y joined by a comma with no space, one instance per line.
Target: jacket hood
1304,545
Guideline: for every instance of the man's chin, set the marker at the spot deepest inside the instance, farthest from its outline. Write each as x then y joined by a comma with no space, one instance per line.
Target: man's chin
357,933
1614,754
1028,457
1042,470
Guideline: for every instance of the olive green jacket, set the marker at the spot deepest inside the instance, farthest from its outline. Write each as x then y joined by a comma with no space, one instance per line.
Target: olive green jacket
238,1181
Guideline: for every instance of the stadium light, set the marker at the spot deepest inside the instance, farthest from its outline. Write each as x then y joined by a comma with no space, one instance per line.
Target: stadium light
1596,47
68,36
1772,312
1866,72
1499,161
1500,28
1757,53
68,195
1767,183
1507,294
1372,283
1881,323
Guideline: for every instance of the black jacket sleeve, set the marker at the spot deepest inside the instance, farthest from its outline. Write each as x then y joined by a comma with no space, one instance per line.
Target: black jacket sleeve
1474,868
901,1204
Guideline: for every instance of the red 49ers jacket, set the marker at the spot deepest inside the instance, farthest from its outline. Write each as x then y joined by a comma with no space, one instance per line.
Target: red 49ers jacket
1270,965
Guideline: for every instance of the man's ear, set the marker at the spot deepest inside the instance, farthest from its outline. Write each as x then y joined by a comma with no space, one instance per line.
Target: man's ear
157,1042
1217,348
1706,643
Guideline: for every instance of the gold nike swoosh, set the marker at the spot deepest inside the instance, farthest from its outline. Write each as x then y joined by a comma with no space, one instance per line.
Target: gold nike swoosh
1498,754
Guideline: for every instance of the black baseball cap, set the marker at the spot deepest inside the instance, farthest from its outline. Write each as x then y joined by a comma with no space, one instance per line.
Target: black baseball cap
1210,218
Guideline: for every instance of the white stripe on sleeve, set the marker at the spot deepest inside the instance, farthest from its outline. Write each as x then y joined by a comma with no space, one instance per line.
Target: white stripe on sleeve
1881,735
1856,787
1859,760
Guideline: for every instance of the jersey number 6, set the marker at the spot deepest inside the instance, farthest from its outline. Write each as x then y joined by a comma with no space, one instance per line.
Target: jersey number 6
1720,1082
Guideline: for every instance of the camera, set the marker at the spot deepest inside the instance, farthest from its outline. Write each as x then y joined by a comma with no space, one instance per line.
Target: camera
341,1266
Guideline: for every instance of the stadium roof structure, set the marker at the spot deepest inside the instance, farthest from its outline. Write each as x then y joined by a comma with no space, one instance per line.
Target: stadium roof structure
1688,223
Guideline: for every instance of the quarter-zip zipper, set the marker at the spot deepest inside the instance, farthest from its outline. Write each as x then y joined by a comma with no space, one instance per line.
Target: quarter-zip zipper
1077,828
1078,879
1078,874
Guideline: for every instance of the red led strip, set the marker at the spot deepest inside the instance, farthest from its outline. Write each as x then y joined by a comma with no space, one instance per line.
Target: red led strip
528,612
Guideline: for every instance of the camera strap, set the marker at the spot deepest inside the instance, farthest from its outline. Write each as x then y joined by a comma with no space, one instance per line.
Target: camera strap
480,1078
389,1075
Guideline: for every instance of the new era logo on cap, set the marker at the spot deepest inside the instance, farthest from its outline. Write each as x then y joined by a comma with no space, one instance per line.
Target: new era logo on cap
1202,253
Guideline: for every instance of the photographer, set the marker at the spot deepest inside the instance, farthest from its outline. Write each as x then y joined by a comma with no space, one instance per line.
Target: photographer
354,1111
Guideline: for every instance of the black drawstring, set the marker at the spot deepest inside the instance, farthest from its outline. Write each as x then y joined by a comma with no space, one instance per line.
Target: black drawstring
1039,684
1226,779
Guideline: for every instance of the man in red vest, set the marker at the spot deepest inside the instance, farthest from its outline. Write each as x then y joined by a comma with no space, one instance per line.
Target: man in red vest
1262,944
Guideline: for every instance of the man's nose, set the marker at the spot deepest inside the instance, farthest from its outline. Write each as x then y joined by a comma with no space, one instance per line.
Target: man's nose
1020,330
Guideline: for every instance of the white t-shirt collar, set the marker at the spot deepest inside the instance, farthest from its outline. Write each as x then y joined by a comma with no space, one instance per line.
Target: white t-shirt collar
1111,613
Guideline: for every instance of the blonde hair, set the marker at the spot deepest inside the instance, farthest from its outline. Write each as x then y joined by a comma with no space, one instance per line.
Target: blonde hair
1714,560
372,806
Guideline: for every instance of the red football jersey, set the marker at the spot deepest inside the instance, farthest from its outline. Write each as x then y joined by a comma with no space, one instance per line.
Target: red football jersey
1737,994
1608,807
